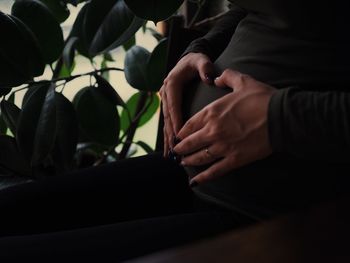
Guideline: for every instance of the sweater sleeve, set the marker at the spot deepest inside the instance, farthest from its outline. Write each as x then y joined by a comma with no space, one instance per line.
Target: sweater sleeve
313,125
218,37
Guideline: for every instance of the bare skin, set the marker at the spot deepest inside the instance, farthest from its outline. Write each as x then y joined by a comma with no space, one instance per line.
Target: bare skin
233,128
188,68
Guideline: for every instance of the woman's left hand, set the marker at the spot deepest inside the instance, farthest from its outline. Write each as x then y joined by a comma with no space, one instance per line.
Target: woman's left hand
229,132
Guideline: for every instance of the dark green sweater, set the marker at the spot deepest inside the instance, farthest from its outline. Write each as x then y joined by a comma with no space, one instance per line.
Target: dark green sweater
301,47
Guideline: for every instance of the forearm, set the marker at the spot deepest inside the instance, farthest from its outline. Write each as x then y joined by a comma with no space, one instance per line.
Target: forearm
215,41
310,124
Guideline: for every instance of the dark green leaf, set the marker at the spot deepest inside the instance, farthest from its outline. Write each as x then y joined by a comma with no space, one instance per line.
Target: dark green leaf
31,89
10,157
108,57
67,133
74,2
109,92
10,113
43,24
36,130
12,97
20,57
145,146
130,43
132,105
105,74
66,72
156,68
58,8
68,52
144,27
109,24
4,91
78,30
3,126
135,67
97,116
154,10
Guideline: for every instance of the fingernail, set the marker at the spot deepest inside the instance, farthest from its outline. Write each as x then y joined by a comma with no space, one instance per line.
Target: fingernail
183,163
172,155
193,183
176,140
209,78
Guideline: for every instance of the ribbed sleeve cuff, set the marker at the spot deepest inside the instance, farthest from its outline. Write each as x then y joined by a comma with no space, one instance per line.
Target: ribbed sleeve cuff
275,120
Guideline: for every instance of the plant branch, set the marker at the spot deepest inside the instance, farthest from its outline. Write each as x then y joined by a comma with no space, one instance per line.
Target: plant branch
140,110
70,78
130,132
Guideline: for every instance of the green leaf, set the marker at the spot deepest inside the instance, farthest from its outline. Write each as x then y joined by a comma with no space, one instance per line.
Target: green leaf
130,43
43,24
31,89
108,57
58,8
66,72
74,2
3,126
36,130
132,104
20,57
156,67
10,113
108,25
135,67
4,91
68,52
105,74
78,30
10,157
67,133
108,91
97,116
145,146
154,10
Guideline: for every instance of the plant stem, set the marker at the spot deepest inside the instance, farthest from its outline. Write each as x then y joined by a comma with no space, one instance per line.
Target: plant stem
130,132
70,78
140,110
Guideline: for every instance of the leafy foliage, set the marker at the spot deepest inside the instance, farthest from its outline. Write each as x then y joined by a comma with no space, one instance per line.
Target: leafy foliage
49,134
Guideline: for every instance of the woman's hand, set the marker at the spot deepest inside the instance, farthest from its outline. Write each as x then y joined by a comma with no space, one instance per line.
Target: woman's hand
188,68
231,131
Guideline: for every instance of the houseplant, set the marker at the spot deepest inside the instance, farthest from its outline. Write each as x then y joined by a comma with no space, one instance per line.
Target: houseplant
48,134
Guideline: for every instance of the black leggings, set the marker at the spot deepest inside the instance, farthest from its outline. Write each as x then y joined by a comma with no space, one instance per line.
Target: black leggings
117,211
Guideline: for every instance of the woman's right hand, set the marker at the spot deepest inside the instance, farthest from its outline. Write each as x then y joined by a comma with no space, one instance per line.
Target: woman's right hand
188,68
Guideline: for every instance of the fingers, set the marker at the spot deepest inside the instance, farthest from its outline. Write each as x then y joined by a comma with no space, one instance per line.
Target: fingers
195,123
173,98
168,128
232,79
193,142
206,155
216,170
206,70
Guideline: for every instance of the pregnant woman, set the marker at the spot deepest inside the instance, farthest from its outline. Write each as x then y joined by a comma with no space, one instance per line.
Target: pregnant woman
257,123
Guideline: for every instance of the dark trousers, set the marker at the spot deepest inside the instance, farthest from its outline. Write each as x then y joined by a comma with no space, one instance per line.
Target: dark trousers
113,212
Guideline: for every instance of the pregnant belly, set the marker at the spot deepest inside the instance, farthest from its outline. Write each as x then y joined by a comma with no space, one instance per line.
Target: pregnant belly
196,96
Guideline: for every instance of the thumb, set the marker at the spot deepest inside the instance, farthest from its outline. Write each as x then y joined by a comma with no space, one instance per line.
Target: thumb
231,79
206,71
